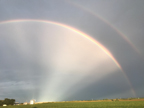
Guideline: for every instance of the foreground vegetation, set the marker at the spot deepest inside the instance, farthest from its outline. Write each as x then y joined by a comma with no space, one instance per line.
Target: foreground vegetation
7,101
114,104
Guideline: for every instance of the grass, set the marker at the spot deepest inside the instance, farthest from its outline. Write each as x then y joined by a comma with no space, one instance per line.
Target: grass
119,104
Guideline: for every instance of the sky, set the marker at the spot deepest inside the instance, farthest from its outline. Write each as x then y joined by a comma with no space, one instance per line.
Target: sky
63,50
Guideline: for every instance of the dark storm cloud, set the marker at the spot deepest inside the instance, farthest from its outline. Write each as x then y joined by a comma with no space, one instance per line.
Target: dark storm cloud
113,85
17,71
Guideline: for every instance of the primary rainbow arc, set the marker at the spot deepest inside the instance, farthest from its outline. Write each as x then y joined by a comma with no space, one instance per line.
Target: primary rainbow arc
81,34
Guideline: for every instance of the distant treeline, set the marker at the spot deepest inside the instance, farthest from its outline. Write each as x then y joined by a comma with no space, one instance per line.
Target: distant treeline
7,101
117,99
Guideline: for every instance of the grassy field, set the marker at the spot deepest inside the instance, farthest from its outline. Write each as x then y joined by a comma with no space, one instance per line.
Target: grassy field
119,104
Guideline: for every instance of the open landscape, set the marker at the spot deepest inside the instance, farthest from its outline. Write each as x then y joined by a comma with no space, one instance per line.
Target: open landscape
120,104
107,103
72,53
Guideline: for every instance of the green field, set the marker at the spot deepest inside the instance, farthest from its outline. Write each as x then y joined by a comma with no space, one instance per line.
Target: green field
124,104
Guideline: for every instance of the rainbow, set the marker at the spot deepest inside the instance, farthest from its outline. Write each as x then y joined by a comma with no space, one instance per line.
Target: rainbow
72,29
81,34
106,22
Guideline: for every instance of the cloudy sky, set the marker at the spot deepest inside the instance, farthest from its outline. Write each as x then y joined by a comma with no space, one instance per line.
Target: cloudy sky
60,50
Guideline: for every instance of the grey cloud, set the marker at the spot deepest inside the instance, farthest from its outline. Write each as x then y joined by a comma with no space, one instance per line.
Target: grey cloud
21,64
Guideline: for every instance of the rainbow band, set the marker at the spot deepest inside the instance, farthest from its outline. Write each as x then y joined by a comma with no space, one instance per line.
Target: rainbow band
106,22
116,30
72,29
81,34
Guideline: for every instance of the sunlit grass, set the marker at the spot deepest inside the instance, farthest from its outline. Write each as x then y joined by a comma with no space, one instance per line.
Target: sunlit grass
124,104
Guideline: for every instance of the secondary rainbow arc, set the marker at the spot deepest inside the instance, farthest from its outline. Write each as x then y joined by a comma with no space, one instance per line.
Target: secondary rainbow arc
106,22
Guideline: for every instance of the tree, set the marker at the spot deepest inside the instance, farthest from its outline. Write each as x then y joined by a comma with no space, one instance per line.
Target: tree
8,101
12,101
1,102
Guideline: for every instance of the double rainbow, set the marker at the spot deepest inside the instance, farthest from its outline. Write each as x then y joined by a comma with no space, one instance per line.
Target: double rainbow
81,34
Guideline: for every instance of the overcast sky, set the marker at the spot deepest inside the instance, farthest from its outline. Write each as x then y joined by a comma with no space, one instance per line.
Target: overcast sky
50,62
